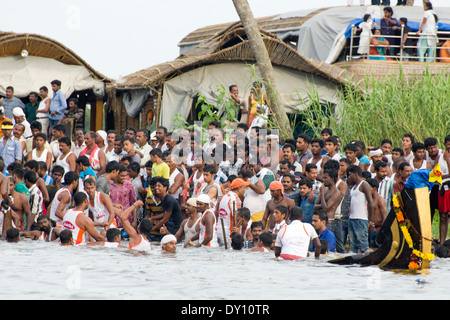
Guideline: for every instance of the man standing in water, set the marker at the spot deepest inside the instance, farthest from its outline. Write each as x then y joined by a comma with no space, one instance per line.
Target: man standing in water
278,198
76,221
46,230
21,207
228,206
63,198
171,211
138,239
100,207
207,235
361,210
293,240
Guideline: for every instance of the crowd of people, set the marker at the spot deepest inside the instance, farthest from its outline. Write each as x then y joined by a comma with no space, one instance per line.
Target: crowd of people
393,39
241,188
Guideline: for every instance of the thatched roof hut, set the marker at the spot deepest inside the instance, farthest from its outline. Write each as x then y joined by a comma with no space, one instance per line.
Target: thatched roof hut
224,55
30,61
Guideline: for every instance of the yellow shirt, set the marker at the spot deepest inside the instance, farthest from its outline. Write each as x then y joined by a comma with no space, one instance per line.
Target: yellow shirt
159,170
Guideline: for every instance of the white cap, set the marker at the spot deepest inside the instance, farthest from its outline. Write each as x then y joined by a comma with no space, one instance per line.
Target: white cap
192,202
204,198
18,111
168,238
375,152
102,134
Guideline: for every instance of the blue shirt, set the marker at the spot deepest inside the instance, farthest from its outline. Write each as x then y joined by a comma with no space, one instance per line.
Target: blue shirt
10,105
308,208
10,152
364,159
88,172
58,104
47,179
329,236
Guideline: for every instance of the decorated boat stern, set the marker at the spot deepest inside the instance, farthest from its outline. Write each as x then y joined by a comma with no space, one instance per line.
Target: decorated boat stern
405,237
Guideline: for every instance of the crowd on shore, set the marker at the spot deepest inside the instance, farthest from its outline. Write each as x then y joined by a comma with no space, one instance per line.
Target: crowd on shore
241,188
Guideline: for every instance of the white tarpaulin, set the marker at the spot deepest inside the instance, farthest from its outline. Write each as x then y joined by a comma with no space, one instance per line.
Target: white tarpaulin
30,73
321,37
179,92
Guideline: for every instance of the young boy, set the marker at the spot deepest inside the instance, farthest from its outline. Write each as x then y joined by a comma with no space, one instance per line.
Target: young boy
243,222
279,215
350,152
43,172
307,199
57,175
128,146
21,187
159,167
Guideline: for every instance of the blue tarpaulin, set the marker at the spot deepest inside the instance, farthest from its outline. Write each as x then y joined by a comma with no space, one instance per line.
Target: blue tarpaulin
412,24
419,179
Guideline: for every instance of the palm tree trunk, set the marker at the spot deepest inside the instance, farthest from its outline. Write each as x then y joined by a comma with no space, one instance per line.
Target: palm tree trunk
264,65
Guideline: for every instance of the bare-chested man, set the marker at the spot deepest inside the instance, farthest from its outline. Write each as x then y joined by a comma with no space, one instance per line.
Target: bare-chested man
379,213
278,198
329,196
20,206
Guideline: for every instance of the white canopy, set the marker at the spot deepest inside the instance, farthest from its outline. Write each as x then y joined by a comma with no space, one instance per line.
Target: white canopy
30,73
179,92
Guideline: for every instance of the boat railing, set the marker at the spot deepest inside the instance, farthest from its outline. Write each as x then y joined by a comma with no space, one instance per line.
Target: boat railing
440,36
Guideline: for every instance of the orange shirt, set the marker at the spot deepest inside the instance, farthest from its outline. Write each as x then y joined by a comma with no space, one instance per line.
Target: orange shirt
444,52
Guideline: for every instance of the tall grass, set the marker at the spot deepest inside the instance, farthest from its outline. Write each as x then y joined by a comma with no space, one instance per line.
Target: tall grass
387,108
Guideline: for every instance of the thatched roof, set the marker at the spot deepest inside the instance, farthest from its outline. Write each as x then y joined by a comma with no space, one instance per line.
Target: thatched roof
270,23
12,44
229,45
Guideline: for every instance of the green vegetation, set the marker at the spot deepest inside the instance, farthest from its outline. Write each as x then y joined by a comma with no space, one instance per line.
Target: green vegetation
389,108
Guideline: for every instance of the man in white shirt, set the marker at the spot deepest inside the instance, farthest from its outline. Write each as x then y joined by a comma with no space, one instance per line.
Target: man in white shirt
118,151
78,143
143,149
19,117
293,240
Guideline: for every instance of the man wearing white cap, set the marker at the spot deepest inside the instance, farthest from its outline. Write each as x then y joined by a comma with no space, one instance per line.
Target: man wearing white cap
19,117
169,244
189,226
375,155
207,234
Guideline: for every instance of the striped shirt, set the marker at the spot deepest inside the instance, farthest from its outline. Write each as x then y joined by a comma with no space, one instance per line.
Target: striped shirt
386,191
153,208
36,201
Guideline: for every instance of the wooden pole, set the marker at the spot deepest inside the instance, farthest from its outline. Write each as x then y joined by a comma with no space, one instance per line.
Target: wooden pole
264,65
224,234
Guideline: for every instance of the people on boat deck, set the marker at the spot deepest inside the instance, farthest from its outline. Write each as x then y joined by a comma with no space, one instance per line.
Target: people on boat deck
390,38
